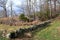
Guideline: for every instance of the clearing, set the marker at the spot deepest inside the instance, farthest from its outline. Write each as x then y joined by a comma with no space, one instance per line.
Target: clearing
51,32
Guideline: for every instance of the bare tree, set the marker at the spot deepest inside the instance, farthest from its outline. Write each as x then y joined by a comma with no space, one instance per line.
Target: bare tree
59,5
34,8
55,6
3,5
11,8
28,7
50,8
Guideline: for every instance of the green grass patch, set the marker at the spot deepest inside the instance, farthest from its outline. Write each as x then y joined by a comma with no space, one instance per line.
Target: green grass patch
2,38
51,32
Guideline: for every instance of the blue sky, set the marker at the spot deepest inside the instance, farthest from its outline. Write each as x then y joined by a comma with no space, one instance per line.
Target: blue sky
15,4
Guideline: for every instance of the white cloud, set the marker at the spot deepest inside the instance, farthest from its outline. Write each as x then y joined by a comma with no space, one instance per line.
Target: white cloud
17,2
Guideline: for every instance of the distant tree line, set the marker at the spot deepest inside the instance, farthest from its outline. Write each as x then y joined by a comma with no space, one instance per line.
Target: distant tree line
47,9
35,9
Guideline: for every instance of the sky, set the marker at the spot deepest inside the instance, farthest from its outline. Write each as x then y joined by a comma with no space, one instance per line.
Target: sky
15,4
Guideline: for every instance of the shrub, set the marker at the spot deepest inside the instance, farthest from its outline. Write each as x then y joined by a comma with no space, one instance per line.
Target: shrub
23,18
44,15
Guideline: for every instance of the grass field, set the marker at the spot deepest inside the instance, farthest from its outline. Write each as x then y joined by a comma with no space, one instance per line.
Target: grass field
11,28
51,32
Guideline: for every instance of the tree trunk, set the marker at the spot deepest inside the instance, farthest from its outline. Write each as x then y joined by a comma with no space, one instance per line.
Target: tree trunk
34,10
54,7
5,11
50,9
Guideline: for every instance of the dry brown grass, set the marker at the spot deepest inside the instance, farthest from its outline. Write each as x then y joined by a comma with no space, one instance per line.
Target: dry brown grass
16,22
